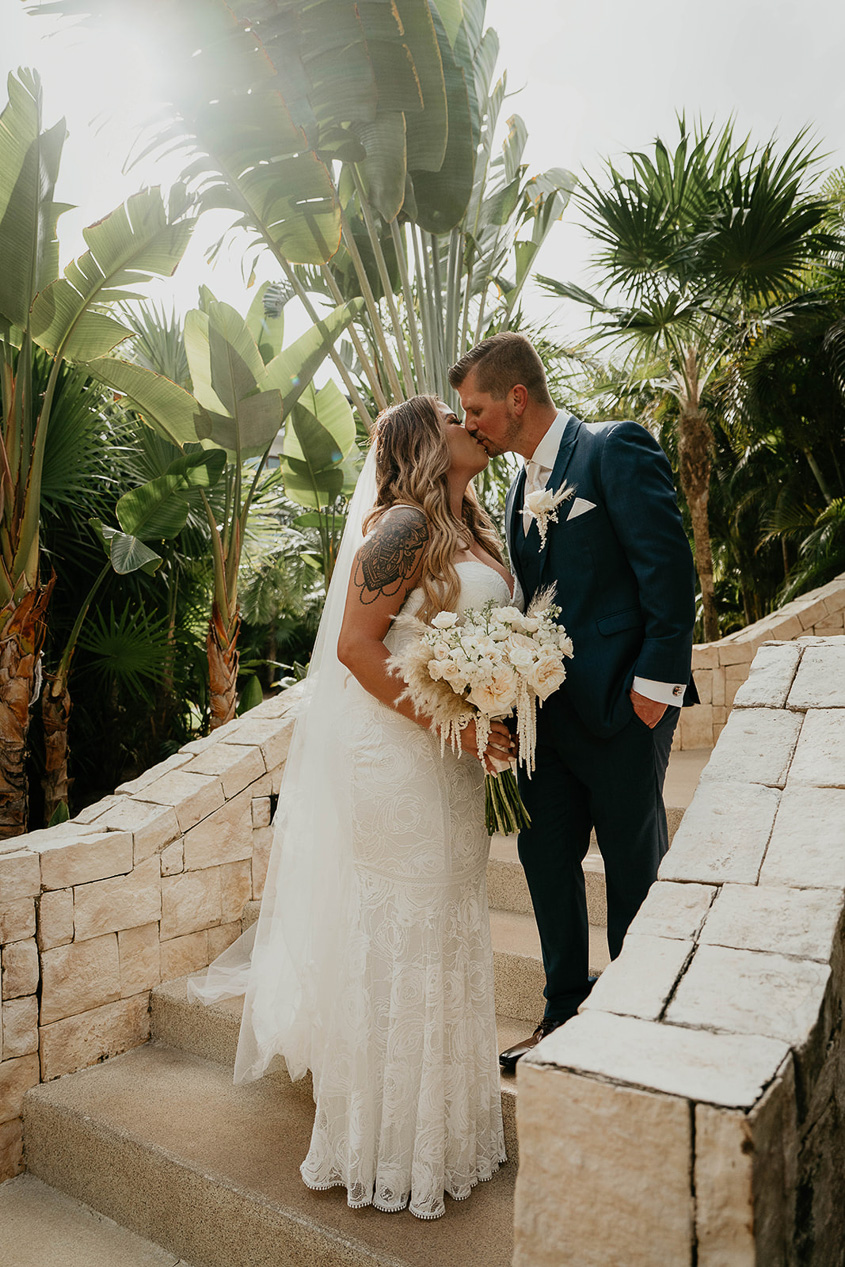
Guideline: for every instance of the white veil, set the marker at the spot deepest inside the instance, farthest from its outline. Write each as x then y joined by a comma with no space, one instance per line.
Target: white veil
286,964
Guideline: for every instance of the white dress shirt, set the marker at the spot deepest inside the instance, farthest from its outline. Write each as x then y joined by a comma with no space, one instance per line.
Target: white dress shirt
538,469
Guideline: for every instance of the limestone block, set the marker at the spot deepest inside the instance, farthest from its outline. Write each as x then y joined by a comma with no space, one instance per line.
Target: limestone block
756,746
735,653
152,826
820,756
20,876
276,775
720,718
20,969
704,683
261,811
225,836
79,977
140,959
745,992
84,857
262,843
124,902
17,920
55,918
673,910
155,772
264,787
832,627
182,955
193,796
807,848
235,888
190,902
723,835
696,726
203,744
236,766
800,922
20,1027
812,613
16,1077
787,629
11,1149
91,813
705,655
172,858
642,979
627,1199
220,938
771,677
820,682
271,734
727,1069
80,1041
724,1188
718,694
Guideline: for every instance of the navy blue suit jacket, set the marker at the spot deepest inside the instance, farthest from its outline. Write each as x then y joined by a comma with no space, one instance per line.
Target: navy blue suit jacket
623,570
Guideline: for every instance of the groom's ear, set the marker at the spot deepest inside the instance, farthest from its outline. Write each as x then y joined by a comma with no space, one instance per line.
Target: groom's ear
519,397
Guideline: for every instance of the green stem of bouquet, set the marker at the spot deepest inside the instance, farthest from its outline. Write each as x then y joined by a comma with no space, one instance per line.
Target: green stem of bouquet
505,812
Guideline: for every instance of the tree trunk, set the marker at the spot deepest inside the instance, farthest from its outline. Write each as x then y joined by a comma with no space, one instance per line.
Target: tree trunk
21,636
695,443
223,657
55,714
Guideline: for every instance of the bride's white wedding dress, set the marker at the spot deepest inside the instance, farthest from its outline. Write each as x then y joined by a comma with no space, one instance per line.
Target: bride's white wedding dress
371,963
408,1102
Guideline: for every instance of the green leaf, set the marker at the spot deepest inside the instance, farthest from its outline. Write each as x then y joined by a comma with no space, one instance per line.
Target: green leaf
293,369
251,695
268,332
140,238
258,422
236,363
29,168
126,552
330,408
442,197
427,130
167,408
159,509
60,814
383,170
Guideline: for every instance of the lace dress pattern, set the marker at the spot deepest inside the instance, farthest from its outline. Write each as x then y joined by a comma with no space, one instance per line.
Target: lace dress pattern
408,1103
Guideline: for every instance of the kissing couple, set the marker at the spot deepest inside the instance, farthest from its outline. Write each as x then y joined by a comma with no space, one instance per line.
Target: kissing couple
371,962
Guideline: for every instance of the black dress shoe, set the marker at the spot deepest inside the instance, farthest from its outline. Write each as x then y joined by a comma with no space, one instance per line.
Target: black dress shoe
509,1057
547,1026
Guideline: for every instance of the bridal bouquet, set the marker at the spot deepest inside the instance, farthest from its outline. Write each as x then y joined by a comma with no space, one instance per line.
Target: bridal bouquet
485,664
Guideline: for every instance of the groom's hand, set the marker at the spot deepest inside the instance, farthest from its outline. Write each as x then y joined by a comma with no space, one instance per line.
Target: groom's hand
501,745
648,710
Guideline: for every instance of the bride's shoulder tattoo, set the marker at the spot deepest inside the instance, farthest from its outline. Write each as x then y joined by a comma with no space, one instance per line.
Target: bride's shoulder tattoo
391,554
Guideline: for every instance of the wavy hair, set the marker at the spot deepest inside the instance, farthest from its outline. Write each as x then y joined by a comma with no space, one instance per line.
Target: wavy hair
412,466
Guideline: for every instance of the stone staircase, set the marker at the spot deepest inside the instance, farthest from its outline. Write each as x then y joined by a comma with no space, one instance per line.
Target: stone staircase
162,1142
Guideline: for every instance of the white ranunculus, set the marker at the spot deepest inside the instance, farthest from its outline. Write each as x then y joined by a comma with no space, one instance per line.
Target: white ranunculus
445,620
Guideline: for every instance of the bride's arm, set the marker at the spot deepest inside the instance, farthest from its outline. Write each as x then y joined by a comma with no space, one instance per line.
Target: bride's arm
387,567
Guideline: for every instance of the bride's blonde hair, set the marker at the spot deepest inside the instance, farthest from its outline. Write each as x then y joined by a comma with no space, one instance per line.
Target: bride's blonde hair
412,465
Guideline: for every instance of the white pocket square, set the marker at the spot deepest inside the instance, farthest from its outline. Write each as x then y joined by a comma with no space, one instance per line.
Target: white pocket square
580,507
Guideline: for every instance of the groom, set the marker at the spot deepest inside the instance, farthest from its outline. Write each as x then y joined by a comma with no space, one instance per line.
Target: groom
622,568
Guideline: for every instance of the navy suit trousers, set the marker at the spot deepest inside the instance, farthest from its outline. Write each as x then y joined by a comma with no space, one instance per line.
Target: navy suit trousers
581,781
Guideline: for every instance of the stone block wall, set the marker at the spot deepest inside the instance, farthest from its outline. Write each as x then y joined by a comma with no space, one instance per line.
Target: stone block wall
694,1112
143,887
720,668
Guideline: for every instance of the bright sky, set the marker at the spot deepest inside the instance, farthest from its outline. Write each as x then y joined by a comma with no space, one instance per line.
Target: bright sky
594,78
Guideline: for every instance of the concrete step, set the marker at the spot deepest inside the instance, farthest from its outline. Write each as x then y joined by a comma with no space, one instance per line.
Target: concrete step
211,1033
165,1144
42,1227
518,964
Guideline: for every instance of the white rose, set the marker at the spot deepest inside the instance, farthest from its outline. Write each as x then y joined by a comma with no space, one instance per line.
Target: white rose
450,670
565,643
506,614
529,624
497,695
540,502
546,676
521,658
445,620
435,670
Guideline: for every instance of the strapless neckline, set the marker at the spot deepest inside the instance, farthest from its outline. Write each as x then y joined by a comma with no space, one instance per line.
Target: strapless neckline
468,563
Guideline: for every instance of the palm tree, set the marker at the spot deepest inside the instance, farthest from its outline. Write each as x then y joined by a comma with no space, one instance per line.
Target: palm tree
699,249
70,318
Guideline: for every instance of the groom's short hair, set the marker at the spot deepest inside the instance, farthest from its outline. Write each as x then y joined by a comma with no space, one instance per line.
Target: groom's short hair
501,362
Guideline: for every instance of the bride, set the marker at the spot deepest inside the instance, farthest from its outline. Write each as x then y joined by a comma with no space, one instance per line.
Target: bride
372,964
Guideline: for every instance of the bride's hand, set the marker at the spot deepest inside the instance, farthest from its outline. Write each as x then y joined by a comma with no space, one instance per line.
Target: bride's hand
501,746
